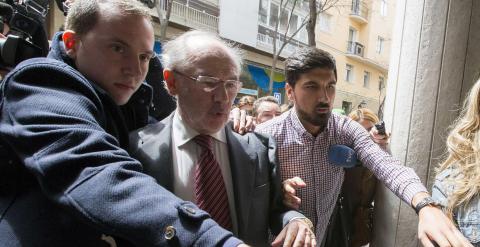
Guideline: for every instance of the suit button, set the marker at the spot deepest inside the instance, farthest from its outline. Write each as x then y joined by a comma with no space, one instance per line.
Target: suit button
191,211
170,232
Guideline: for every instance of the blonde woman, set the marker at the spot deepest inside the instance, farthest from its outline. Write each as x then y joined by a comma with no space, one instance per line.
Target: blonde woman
457,184
367,118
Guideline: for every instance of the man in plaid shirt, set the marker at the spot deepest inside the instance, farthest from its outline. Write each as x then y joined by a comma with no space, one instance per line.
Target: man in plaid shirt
304,135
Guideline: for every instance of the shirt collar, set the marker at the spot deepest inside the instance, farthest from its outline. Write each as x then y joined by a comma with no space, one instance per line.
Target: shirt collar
184,133
298,126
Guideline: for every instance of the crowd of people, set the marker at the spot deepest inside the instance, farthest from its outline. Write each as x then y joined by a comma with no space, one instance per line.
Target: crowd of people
87,161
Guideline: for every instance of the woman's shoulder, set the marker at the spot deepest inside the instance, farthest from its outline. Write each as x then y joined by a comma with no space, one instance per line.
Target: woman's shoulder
468,220
444,186
466,216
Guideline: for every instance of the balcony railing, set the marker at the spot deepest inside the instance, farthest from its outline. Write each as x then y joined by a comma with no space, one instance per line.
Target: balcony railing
359,11
267,41
356,51
355,48
190,17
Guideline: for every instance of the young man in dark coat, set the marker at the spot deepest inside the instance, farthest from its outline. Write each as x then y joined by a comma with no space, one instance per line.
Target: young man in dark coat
66,179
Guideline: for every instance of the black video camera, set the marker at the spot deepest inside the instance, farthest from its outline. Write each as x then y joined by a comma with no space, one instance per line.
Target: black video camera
27,37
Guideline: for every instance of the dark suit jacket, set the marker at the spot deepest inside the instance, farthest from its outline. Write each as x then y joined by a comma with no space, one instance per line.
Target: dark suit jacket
255,176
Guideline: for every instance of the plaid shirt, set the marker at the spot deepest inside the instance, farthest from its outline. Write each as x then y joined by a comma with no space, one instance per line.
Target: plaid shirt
306,156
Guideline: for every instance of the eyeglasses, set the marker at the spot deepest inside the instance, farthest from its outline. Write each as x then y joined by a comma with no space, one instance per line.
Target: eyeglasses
209,84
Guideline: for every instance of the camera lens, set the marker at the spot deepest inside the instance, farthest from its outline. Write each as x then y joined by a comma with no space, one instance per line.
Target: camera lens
24,24
21,24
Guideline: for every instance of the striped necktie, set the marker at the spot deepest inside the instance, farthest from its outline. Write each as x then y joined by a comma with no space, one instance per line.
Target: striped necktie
210,191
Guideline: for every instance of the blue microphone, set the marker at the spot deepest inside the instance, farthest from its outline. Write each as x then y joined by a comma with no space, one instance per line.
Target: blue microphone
343,156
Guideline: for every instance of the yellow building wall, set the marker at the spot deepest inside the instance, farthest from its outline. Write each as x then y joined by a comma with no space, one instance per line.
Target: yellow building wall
335,42
380,26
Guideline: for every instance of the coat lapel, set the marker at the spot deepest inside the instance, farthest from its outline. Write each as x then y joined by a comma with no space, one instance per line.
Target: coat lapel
242,164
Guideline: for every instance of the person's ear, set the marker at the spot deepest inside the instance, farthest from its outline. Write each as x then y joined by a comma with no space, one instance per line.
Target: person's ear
70,40
170,82
290,92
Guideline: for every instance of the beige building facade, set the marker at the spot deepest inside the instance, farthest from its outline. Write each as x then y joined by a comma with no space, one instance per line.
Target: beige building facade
358,34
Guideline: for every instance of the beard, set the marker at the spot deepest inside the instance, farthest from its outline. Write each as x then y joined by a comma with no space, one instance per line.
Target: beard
315,119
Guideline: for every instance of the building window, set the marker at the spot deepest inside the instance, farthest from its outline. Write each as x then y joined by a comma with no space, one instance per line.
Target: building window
303,4
273,15
349,73
325,22
366,79
263,12
381,83
302,34
383,7
346,107
352,34
293,24
269,16
352,38
356,6
380,42
283,20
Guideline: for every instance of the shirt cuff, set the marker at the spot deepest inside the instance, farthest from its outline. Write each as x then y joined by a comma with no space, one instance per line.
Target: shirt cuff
232,242
411,190
305,220
296,218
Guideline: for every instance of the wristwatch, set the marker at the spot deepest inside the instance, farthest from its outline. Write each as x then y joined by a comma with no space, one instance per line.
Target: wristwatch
427,201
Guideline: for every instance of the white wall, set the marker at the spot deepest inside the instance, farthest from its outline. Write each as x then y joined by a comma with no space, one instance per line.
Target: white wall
238,21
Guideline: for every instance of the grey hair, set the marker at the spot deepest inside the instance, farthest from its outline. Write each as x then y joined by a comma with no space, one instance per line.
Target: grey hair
180,52
259,101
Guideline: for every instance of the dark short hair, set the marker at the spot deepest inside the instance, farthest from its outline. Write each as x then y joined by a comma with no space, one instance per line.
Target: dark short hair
84,14
306,59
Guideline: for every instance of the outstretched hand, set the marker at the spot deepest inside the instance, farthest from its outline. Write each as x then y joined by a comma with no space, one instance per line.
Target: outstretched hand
433,225
290,187
296,233
242,123
381,140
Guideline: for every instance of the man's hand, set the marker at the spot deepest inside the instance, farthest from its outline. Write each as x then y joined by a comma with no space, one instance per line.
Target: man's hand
242,123
296,233
435,227
381,140
289,192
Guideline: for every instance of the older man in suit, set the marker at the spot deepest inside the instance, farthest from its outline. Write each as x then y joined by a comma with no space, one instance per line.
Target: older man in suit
194,154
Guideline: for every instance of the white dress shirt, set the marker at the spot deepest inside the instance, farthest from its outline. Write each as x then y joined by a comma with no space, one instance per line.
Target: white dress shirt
185,155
